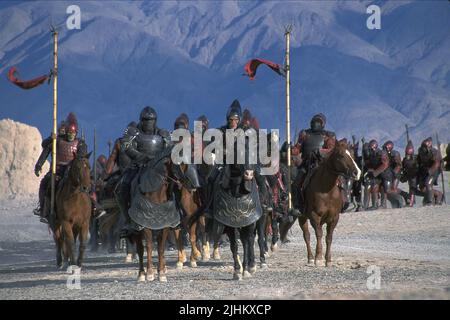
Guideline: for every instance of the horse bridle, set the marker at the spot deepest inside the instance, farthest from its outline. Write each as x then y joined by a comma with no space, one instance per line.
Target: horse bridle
346,175
78,180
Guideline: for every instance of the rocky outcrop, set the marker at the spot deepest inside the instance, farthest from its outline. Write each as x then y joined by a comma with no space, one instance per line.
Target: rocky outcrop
20,147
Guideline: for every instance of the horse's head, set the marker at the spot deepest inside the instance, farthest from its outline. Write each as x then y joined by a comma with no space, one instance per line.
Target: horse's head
80,172
342,161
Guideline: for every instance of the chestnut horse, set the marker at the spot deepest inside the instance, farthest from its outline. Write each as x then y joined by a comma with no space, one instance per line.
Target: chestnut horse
73,211
161,169
323,199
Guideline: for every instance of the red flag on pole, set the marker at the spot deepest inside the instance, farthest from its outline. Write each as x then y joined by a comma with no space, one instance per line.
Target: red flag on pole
252,65
25,84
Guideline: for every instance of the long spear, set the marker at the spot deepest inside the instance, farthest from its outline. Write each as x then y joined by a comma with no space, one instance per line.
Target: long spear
95,159
407,133
287,34
55,113
441,168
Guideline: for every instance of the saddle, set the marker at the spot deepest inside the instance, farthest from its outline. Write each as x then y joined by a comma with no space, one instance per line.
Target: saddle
148,179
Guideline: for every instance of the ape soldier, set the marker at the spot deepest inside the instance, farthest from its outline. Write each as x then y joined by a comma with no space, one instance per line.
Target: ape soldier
234,119
395,165
379,174
119,160
429,162
46,150
68,146
409,172
376,162
314,144
142,144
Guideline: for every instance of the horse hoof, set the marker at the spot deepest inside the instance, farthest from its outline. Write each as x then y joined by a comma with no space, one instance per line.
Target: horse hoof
197,256
310,262
264,265
183,257
205,253
246,274
179,265
129,258
252,270
141,277
328,264
237,276
216,256
162,278
274,247
319,263
266,254
193,264
150,277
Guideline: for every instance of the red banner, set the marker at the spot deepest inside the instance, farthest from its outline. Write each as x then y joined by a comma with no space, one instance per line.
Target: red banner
251,67
25,84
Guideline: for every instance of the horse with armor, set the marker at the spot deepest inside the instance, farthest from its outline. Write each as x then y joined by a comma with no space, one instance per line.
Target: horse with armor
141,144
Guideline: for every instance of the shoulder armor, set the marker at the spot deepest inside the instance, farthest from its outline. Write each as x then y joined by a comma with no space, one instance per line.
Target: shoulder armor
164,133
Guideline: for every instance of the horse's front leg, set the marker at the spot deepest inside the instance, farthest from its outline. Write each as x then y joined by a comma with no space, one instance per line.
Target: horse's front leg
148,235
275,234
262,243
329,240
315,221
180,247
205,242
217,231
131,250
69,242
83,239
247,235
59,246
303,222
237,275
195,253
140,251
162,237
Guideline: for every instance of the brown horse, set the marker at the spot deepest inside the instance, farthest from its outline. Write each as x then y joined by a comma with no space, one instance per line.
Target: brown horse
323,199
161,196
190,202
73,211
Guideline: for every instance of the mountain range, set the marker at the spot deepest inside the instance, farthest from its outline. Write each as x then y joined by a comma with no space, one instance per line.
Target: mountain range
189,56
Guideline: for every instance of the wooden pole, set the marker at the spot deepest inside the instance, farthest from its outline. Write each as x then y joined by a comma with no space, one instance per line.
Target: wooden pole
287,34
55,114
95,159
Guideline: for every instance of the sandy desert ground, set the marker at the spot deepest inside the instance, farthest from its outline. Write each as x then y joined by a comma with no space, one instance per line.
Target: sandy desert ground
409,247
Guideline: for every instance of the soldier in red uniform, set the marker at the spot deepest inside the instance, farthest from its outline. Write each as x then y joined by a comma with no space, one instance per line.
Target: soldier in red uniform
68,146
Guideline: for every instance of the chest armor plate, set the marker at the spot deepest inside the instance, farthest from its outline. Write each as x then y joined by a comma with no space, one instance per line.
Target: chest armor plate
66,151
150,144
374,160
312,143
